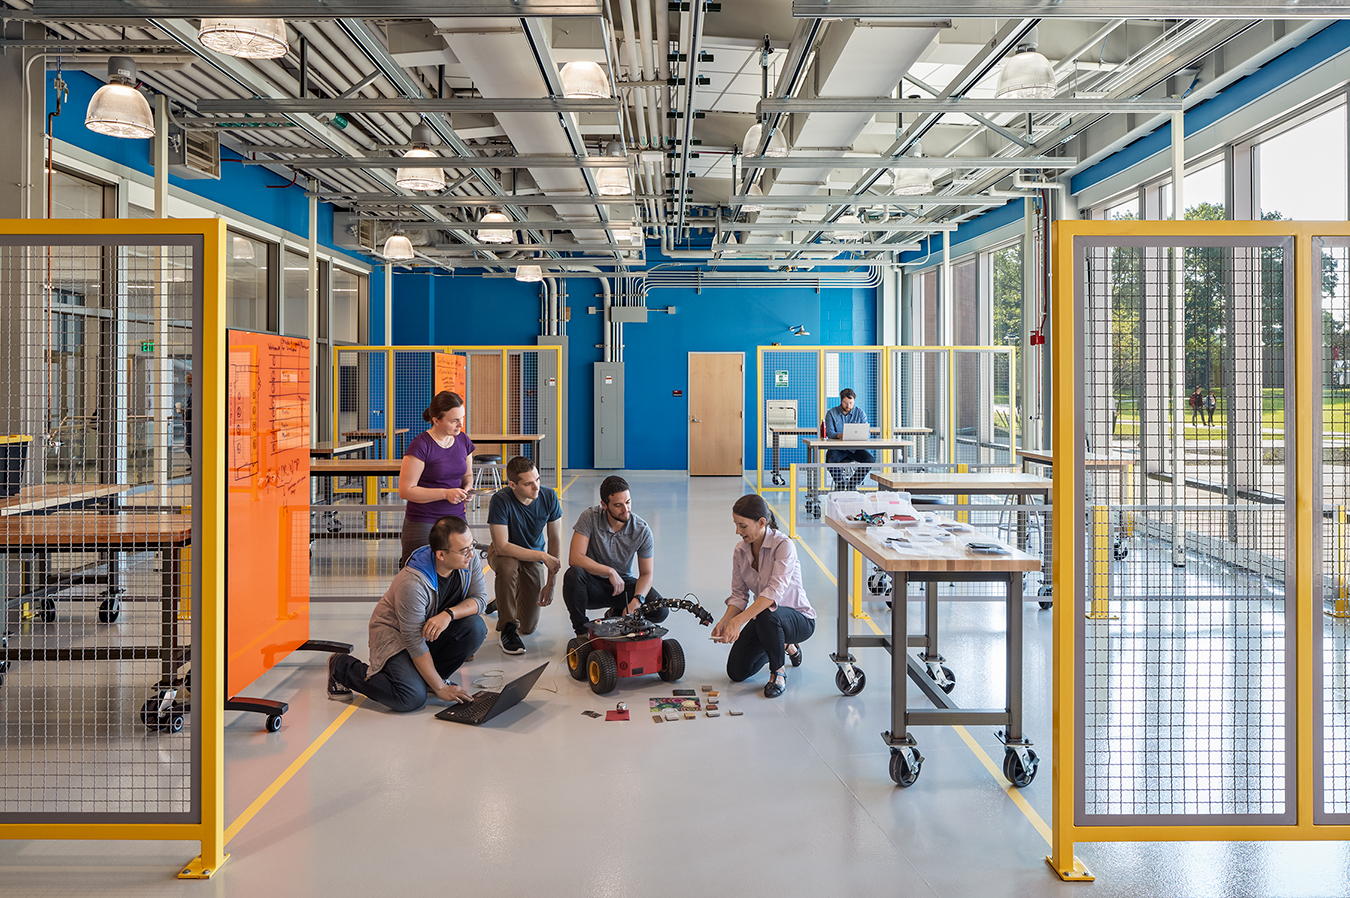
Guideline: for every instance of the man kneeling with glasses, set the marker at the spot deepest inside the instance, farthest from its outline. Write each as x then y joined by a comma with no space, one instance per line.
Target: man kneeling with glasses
424,627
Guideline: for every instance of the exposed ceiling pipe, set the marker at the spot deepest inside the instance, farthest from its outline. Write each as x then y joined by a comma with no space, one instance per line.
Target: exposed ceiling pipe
789,81
1065,65
607,299
693,49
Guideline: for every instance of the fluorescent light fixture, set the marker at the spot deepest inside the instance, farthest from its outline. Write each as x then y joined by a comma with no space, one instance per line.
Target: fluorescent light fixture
420,178
244,38
584,81
117,108
777,142
1026,75
529,274
496,216
398,247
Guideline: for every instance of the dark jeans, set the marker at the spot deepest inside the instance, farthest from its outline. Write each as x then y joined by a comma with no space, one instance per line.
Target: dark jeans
763,641
848,479
582,590
398,686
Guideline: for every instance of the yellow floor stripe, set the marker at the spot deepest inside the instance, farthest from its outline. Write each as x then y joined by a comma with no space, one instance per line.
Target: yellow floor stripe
569,483
1012,791
261,801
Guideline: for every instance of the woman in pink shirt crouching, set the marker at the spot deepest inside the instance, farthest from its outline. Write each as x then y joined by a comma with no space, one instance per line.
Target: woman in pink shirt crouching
770,629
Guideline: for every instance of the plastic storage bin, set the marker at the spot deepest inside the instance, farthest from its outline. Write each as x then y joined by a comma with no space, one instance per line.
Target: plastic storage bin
13,455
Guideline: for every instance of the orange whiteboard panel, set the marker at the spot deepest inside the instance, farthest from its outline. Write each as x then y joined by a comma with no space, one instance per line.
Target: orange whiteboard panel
267,461
449,372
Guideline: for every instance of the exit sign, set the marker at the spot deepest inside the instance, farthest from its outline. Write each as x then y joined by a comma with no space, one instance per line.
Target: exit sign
147,346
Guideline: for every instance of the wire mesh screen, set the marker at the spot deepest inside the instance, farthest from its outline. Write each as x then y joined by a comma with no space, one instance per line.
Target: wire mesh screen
1185,682
958,404
354,550
96,434
1332,258
793,407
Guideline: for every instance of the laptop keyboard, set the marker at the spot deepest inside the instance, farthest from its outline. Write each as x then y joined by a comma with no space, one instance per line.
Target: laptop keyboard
481,704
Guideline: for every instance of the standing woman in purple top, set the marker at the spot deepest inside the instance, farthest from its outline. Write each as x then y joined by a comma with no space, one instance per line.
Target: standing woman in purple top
769,629
437,471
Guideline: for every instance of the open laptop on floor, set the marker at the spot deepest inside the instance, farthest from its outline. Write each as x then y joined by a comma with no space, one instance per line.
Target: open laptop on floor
487,705
856,432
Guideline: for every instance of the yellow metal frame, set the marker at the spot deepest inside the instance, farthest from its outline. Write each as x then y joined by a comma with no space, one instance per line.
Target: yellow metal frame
886,399
1069,533
504,349
209,555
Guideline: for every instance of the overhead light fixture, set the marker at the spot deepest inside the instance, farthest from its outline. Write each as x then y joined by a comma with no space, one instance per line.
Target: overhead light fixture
117,108
245,38
584,81
613,181
751,206
799,330
1026,75
529,274
495,216
636,237
912,181
420,178
848,218
398,247
777,142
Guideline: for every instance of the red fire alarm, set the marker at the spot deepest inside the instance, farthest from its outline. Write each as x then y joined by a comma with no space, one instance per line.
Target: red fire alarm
1037,338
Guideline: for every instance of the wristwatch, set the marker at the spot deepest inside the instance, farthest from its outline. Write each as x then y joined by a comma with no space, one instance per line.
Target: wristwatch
451,611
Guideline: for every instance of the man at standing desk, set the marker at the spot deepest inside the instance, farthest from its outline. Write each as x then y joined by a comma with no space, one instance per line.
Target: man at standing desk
846,412
424,627
605,539
518,516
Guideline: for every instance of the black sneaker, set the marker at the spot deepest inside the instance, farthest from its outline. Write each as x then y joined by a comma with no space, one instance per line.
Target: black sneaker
336,691
511,643
491,607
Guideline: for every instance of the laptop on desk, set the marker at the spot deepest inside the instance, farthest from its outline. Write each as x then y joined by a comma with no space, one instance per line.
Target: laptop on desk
487,705
856,432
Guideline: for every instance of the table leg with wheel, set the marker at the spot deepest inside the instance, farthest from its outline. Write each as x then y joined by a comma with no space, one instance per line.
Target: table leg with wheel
777,478
938,670
905,757
1019,761
849,678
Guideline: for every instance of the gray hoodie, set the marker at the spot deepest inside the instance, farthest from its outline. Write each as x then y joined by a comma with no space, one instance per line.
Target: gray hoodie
411,600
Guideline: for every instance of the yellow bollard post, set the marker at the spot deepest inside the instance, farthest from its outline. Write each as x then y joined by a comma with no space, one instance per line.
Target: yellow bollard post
792,501
1101,561
963,516
858,613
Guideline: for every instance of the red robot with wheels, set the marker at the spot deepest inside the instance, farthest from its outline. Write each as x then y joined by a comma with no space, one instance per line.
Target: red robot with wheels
630,646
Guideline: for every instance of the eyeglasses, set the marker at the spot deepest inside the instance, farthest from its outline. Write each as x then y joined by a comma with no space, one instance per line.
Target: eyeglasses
467,553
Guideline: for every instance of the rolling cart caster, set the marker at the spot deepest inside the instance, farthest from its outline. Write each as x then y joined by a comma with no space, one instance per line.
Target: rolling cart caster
851,681
941,674
878,584
109,610
905,766
778,480
813,509
46,611
1121,551
578,650
273,723
1019,765
1046,591
4,667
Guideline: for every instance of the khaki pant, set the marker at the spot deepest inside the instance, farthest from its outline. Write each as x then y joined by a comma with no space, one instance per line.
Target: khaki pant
517,585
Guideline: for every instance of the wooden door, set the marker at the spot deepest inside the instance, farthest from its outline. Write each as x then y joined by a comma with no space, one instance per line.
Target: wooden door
716,414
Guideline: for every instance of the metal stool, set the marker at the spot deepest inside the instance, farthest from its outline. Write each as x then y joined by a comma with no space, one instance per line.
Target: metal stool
481,465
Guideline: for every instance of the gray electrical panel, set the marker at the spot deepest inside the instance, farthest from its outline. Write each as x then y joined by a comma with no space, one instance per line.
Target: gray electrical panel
547,391
609,414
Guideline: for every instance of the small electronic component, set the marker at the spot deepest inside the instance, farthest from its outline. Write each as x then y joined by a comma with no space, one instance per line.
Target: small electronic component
683,692
657,718
689,715
706,688
712,694
735,712
712,706
713,713
592,713
672,715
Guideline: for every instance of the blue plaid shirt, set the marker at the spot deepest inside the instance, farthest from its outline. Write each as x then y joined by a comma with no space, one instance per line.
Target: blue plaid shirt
836,418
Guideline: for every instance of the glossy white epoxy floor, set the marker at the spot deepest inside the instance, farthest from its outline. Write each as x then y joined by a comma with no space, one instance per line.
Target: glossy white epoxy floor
793,798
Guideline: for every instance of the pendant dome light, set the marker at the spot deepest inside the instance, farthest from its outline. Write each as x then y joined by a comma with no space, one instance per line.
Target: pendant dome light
848,218
245,38
613,181
117,108
529,274
495,216
584,81
750,205
1026,75
912,181
398,247
420,178
777,147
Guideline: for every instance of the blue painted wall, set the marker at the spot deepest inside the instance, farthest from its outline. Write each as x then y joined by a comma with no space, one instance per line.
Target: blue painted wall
469,310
